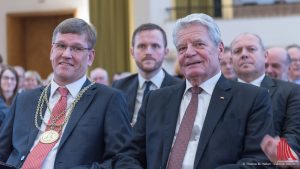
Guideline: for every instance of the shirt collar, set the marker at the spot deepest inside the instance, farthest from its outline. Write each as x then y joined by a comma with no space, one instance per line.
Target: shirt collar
73,88
208,86
156,79
256,82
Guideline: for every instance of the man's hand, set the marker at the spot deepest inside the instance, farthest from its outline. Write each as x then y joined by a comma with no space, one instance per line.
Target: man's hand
269,147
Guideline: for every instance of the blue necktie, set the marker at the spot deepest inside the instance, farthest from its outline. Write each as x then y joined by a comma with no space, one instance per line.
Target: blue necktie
147,88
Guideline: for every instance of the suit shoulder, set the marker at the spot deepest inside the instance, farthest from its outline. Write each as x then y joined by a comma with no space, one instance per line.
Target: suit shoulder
101,88
124,81
172,79
33,92
287,87
169,89
244,87
285,83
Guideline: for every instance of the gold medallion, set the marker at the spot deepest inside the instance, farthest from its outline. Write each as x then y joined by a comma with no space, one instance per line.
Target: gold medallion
49,136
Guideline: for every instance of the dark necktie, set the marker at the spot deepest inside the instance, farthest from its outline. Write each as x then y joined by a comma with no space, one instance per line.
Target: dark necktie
184,133
147,88
36,157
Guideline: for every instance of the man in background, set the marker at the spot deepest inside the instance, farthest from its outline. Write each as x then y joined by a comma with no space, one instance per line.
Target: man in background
249,56
226,64
148,49
277,63
99,75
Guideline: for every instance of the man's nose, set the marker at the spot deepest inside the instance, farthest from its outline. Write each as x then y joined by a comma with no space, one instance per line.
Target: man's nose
190,51
67,52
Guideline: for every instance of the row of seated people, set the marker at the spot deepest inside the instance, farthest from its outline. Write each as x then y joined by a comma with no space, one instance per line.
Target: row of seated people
156,120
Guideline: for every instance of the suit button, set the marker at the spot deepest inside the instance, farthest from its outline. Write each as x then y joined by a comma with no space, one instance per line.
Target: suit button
22,158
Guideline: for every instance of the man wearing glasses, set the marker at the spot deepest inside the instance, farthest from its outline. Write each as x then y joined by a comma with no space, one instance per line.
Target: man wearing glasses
71,122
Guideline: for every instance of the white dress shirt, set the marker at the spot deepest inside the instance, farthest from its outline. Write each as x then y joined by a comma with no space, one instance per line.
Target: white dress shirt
203,103
156,83
256,82
73,89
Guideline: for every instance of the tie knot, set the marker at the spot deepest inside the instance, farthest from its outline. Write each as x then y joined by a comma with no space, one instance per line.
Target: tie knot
63,91
148,83
196,90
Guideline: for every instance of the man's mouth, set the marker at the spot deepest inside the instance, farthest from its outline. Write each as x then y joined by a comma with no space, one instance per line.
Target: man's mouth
65,64
193,63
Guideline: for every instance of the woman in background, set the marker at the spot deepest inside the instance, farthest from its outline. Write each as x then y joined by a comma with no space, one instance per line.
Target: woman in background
8,88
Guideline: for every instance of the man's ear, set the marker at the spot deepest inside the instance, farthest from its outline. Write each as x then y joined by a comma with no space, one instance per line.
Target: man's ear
91,57
132,51
221,47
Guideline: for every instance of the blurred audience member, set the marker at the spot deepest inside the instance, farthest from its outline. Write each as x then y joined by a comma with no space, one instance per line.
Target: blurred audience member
294,69
8,84
277,63
121,75
21,71
226,64
48,80
8,89
1,62
99,75
32,80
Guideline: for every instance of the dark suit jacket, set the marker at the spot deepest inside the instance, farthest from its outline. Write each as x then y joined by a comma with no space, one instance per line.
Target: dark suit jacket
129,86
286,109
3,110
238,117
95,132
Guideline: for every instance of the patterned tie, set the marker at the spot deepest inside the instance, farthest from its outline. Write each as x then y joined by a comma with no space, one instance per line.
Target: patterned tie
147,88
36,157
184,132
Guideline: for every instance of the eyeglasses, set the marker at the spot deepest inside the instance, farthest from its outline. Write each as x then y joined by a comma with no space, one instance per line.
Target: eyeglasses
75,50
6,78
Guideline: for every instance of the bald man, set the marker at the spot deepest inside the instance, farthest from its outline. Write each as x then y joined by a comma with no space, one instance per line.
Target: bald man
277,63
99,75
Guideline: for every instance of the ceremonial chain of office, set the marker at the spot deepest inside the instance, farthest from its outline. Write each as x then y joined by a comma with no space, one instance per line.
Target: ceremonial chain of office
43,99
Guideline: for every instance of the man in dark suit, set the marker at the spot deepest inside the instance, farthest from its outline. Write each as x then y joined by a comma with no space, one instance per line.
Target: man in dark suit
222,126
149,48
249,57
71,122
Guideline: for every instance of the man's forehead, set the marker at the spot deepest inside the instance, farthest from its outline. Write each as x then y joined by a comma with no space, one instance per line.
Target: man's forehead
246,38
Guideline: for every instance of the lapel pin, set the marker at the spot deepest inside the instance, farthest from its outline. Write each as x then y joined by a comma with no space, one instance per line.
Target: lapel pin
222,98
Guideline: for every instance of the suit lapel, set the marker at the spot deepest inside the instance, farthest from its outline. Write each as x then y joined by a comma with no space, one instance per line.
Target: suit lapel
170,120
218,103
268,84
131,93
78,111
167,80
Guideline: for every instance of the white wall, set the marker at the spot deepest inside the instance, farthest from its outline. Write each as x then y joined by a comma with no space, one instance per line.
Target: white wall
279,31
15,6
